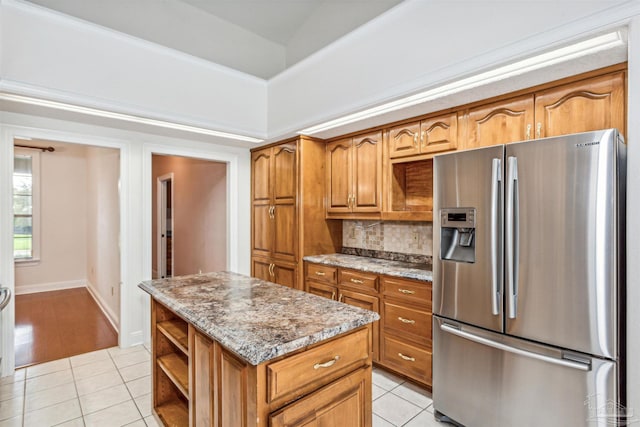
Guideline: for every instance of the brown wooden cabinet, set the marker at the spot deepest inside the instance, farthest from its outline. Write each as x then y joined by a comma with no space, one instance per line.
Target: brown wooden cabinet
198,382
592,104
406,322
401,342
580,106
169,370
351,287
354,176
499,122
274,181
288,220
280,272
431,135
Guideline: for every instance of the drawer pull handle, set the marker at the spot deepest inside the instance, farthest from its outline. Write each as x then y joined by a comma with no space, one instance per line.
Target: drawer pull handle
407,291
403,320
326,364
356,281
409,358
319,273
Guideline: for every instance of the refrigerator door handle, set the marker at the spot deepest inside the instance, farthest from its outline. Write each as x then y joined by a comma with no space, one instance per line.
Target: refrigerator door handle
496,178
504,347
511,230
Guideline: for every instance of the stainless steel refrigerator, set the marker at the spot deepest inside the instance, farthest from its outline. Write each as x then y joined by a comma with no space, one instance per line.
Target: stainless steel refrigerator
529,283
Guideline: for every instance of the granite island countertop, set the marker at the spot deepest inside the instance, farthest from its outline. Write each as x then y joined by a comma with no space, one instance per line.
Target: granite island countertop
405,270
255,319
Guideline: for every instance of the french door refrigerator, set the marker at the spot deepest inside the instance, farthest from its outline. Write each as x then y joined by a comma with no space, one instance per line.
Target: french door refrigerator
529,283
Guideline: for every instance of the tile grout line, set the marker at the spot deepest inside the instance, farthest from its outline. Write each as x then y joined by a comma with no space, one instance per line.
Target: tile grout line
127,388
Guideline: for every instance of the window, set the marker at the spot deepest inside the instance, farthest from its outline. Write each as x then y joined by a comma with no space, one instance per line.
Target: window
26,168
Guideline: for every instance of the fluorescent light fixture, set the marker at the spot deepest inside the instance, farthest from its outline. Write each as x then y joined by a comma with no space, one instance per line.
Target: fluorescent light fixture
126,117
567,53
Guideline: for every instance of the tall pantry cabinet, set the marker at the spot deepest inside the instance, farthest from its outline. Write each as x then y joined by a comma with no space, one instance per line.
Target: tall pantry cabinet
287,215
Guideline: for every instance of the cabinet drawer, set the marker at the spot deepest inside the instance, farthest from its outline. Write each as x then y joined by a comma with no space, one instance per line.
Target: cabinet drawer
358,279
407,359
408,322
322,273
407,290
291,377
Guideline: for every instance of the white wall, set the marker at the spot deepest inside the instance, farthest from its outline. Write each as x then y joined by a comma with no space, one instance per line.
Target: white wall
69,60
103,229
63,219
135,207
421,44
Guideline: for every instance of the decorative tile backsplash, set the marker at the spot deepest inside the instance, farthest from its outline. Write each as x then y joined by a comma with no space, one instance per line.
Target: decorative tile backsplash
403,237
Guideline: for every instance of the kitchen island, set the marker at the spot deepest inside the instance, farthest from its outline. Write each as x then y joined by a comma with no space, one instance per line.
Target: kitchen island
231,350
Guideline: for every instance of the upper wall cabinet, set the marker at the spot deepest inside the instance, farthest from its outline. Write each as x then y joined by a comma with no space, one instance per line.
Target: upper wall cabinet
580,106
583,106
499,122
432,135
354,176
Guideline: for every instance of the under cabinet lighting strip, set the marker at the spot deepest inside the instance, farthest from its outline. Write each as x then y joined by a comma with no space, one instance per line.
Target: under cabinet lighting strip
567,53
125,117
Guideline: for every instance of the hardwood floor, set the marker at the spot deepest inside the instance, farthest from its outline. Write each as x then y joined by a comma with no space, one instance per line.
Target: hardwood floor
58,324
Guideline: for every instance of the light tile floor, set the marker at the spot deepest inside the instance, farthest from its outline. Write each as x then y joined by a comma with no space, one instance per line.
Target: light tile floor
112,387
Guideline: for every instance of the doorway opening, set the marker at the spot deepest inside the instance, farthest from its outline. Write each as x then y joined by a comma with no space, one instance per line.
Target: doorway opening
165,229
189,215
66,230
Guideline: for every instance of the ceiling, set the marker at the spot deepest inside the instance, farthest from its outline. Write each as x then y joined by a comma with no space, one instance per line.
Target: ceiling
258,37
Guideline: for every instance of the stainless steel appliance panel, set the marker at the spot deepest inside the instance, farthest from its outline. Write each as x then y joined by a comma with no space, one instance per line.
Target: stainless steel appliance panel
488,379
561,271
470,291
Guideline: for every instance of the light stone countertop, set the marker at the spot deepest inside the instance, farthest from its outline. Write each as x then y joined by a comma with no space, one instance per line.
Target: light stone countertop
375,265
255,319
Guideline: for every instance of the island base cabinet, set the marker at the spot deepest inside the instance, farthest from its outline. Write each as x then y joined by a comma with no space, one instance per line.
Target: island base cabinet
345,403
224,390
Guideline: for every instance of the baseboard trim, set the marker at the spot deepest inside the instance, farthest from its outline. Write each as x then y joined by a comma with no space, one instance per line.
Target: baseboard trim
111,316
48,287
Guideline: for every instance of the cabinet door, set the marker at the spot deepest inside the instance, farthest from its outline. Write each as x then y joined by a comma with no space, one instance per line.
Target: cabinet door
339,184
345,403
284,174
285,232
367,302
261,175
583,106
439,134
232,397
322,289
261,269
367,173
404,140
201,379
500,123
262,229
284,274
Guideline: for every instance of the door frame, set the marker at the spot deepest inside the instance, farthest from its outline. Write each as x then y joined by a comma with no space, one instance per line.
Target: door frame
7,274
162,182
232,161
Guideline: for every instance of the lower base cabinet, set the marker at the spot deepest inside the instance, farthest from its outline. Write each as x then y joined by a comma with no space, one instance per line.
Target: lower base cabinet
197,382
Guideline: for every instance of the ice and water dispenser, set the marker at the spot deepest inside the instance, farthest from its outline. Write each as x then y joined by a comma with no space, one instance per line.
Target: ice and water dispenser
458,234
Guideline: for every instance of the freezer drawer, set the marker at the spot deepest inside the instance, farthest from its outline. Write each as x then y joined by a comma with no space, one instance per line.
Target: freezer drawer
482,378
